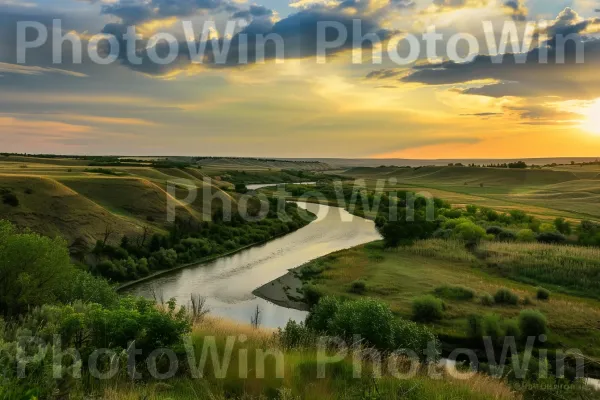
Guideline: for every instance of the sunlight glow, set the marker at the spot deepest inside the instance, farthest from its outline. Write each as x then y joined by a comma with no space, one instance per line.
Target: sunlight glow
592,118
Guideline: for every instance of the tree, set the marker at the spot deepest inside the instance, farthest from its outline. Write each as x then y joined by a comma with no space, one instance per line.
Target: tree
562,226
108,232
33,268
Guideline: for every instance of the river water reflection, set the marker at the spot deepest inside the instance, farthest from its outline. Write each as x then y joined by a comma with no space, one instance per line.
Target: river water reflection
228,282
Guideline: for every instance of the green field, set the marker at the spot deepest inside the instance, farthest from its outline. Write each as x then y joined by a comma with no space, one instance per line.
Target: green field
545,193
397,276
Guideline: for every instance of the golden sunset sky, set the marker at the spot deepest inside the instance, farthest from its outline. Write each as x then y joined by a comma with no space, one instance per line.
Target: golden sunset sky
302,108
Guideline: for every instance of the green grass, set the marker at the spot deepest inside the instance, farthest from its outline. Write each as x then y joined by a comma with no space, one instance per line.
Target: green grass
53,209
299,380
398,276
544,193
73,201
573,269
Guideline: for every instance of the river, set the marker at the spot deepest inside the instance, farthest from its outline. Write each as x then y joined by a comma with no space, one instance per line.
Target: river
228,282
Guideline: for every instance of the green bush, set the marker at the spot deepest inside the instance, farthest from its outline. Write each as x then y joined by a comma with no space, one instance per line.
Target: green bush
312,294
543,294
427,308
358,287
372,321
532,323
493,326
487,300
33,269
322,313
455,292
525,235
551,238
511,328
469,231
296,335
475,327
506,296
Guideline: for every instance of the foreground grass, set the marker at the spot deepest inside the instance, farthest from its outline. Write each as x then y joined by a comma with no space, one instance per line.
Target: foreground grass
398,276
299,380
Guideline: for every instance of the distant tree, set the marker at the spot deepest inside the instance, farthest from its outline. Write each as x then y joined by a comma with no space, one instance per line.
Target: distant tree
241,188
562,226
108,232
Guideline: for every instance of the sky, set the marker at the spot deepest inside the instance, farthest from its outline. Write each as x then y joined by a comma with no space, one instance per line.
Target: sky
347,105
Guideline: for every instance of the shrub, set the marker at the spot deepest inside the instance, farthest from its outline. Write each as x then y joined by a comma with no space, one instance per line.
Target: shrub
562,226
469,231
475,327
10,199
547,228
543,294
492,326
525,235
455,292
295,335
370,319
427,308
312,294
322,313
511,328
506,296
532,323
471,209
487,300
551,238
507,236
33,269
494,230
358,287
527,301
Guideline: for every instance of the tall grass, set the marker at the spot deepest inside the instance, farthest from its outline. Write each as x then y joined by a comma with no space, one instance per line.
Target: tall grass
573,267
300,379
451,250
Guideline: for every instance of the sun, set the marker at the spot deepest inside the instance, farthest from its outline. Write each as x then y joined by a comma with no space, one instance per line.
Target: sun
591,123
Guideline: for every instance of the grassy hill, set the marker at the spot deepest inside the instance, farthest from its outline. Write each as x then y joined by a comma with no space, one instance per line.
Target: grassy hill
51,208
546,193
68,198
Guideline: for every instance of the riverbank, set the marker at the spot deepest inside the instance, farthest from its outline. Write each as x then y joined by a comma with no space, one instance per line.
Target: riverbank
285,291
230,283
158,274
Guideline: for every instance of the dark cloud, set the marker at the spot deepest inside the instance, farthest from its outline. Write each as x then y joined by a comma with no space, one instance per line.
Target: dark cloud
526,75
517,9
530,79
254,11
386,73
483,115
137,11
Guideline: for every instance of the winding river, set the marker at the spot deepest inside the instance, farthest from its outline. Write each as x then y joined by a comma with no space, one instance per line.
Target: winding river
228,282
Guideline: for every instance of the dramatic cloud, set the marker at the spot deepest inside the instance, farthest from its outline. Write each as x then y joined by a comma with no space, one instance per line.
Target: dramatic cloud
137,11
517,9
568,71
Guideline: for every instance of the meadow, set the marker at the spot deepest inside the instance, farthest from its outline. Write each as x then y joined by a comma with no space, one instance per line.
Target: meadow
546,193
398,276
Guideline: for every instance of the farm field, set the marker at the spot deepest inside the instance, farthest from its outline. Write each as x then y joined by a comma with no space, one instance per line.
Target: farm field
545,193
